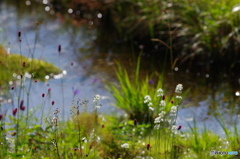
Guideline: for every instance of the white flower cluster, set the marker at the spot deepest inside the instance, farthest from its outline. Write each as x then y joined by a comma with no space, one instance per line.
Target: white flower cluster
147,100
125,145
173,111
179,88
179,97
96,98
162,103
94,137
174,129
97,106
54,120
159,92
159,119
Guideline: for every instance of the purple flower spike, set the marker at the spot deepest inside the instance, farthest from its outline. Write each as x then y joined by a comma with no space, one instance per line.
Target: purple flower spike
95,80
151,81
75,91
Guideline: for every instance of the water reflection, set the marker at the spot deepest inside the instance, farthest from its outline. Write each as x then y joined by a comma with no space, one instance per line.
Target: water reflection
42,41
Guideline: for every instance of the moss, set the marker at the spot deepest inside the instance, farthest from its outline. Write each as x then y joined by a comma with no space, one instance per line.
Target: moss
16,64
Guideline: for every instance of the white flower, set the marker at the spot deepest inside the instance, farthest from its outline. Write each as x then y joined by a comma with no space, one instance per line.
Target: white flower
97,106
173,109
162,103
162,113
157,126
54,120
8,50
147,99
125,145
179,88
96,98
84,139
151,108
179,97
98,138
159,92
174,129
157,120
150,104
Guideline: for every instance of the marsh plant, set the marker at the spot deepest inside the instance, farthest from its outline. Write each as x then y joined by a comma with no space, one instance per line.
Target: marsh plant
165,127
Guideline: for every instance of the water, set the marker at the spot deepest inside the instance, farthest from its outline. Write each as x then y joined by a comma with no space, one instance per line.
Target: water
49,33
87,68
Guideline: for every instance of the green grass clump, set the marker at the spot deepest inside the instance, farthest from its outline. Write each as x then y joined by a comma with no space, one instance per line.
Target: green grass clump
129,94
14,64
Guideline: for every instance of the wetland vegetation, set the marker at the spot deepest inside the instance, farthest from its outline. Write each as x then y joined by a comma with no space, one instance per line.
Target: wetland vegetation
171,88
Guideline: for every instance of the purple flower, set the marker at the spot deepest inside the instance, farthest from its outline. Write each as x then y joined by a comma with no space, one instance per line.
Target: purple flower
151,81
75,91
95,80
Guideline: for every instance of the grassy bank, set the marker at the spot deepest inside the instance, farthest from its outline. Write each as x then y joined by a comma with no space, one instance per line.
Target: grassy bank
94,135
149,129
14,65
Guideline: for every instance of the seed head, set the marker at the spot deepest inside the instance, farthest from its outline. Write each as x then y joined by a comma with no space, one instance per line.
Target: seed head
14,111
24,64
22,108
148,146
59,48
135,122
19,34
163,97
21,103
